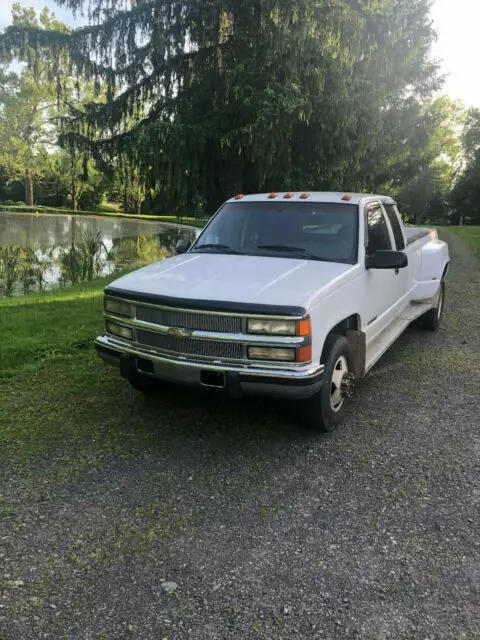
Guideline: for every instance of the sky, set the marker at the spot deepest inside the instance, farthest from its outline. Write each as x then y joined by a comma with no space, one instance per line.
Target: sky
456,22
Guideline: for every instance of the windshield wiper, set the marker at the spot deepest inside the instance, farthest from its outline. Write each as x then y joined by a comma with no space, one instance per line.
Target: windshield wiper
221,247
280,247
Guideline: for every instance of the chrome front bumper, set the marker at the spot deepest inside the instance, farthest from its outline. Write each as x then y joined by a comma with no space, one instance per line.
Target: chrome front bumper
239,379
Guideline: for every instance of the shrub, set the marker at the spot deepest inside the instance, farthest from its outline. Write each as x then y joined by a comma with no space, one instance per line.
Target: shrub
109,207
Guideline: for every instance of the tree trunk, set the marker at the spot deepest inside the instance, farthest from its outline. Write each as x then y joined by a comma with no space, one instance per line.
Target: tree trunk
139,200
75,195
28,189
125,197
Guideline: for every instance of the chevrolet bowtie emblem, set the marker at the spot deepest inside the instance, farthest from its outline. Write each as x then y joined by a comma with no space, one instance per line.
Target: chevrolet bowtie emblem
180,333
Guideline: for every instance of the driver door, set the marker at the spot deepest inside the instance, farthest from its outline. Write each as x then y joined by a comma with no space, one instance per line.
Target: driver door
384,287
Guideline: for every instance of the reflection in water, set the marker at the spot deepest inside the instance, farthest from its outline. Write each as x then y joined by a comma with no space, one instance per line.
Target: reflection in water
74,253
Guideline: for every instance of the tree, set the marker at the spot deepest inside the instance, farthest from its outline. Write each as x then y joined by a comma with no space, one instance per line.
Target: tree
65,172
465,197
80,169
432,160
471,134
424,198
210,97
37,106
27,102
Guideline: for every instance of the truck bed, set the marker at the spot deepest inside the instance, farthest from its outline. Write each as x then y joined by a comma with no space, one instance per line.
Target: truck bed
415,233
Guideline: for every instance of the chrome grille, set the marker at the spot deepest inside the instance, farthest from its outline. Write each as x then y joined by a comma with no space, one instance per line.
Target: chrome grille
190,346
187,320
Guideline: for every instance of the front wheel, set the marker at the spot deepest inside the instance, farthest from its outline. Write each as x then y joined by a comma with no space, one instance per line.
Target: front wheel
326,410
432,319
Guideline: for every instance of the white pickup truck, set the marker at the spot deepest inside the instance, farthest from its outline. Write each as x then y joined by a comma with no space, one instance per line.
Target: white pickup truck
291,294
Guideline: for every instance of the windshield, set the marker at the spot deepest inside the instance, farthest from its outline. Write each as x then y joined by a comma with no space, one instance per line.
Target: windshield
308,230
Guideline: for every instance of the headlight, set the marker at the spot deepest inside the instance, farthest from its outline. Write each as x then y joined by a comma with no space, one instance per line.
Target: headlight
267,353
118,330
118,308
273,327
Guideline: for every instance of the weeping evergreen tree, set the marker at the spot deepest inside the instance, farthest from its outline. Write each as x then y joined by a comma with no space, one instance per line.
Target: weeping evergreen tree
211,97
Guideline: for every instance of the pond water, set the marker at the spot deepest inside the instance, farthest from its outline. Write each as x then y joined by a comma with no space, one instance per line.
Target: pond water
43,251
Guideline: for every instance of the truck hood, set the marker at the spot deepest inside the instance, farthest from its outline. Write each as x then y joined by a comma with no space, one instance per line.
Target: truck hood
231,278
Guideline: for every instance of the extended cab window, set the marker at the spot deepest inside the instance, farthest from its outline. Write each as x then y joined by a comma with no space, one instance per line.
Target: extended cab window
378,234
309,230
396,228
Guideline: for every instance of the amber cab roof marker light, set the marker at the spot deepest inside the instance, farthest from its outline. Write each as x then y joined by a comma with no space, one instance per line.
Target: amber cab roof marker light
304,196
288,195
272,196
346,197
239,196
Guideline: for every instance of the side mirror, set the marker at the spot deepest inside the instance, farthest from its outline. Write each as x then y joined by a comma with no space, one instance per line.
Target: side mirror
183,246
387,260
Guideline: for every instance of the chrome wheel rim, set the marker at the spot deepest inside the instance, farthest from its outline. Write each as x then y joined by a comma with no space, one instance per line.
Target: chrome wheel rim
336,397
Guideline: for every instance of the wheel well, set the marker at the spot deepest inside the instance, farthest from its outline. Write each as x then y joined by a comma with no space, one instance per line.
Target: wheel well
352,323
350,328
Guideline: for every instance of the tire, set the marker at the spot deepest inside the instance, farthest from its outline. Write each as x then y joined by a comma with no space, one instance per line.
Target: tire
143,384
326,410
433,318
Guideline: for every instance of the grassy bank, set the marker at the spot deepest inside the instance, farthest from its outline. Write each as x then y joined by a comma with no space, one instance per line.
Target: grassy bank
470,235
45,325
193,222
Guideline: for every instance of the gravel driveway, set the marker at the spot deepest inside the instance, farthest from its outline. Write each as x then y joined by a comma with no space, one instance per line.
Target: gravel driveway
215,519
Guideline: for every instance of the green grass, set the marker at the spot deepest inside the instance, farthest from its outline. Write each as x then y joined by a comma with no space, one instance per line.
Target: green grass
57,396
44,325
470,235
193,222
109,207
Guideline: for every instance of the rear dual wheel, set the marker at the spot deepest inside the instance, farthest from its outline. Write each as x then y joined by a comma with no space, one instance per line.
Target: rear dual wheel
432,319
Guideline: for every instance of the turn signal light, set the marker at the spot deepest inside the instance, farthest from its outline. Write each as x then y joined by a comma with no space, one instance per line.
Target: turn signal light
304,327
304,354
